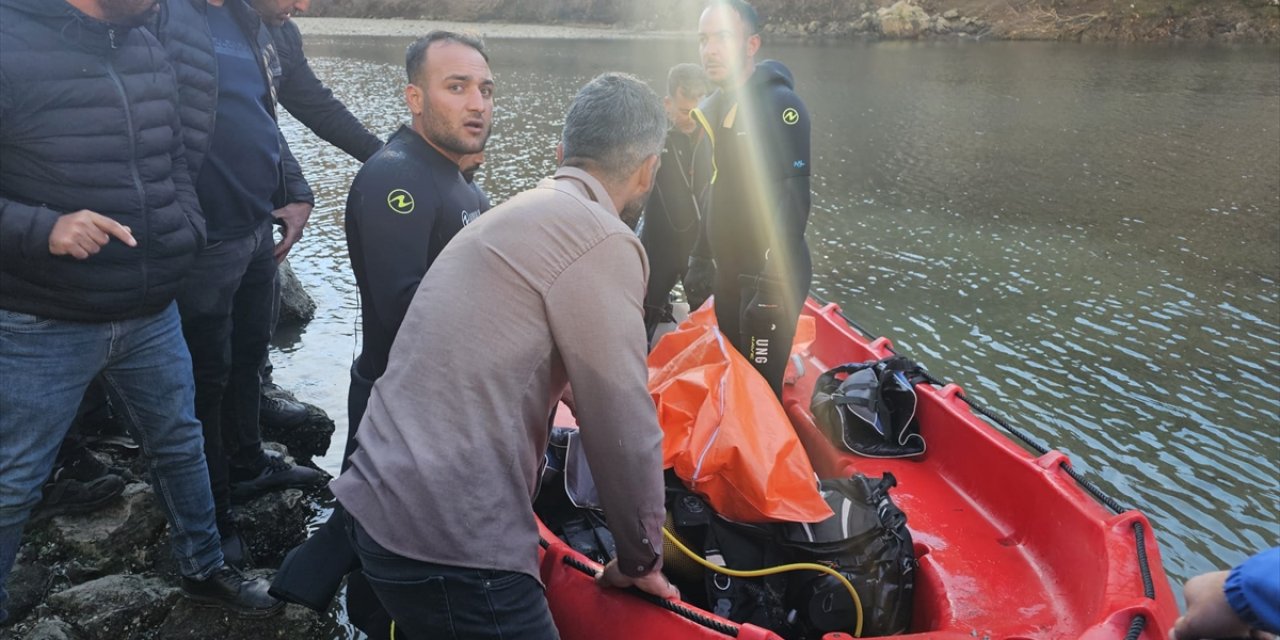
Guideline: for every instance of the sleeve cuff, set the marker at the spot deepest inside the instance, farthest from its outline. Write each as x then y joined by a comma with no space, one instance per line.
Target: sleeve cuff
1238,599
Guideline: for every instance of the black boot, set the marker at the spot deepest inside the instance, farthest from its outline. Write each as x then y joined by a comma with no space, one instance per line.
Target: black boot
273,474
279,410
234,550
233,591
80,484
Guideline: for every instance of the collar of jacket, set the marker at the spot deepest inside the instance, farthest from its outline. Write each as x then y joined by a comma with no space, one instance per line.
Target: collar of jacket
258,36
588,185
78,29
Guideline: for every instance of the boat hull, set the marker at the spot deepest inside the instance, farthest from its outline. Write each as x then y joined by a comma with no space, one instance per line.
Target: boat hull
1009,545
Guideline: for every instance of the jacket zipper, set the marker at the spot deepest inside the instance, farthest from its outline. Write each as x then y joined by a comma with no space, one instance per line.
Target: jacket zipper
133,168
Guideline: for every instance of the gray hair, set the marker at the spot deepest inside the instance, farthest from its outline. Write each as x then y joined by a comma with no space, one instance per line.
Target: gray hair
689,78
616,121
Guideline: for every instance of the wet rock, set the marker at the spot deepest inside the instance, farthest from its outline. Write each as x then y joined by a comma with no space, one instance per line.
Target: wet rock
114,607
307,440
903,20
837,29
124,535
188,621
28,583
111,575
273,524
941,26
951,14
296,305
866,23
48,629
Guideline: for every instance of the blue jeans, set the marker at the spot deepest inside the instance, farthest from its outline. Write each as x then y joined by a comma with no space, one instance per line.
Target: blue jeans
444,602
45,367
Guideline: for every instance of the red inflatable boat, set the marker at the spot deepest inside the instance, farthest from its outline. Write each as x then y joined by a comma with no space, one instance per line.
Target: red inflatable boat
1010,545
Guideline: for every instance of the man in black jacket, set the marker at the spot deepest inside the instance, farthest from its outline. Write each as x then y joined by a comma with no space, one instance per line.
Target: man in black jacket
227,74
314,105
302,93
673,217
98,226
759,129
411,198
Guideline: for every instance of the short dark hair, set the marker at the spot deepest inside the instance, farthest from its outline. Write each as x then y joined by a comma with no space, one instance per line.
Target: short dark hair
687,77
415,57
744,11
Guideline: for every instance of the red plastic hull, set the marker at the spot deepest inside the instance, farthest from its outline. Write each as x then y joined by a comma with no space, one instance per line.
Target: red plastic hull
1010,547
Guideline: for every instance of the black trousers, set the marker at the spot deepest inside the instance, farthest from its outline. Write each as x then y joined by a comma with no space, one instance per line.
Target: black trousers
762,336
357,402
443,602
226,307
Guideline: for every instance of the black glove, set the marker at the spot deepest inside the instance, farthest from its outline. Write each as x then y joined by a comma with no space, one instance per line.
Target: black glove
698,281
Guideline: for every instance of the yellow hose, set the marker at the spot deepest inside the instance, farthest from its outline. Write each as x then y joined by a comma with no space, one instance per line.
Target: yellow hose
756,573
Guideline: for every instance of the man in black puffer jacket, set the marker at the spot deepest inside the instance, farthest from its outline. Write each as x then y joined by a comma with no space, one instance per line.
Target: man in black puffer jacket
228,75
98,226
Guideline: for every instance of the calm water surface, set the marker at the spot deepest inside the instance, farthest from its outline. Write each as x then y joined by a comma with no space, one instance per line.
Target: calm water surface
1084,237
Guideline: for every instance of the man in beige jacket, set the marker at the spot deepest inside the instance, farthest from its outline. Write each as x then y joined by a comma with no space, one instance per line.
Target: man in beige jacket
544,291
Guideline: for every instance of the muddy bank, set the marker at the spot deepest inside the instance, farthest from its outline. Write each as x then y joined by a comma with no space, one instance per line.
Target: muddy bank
1068,20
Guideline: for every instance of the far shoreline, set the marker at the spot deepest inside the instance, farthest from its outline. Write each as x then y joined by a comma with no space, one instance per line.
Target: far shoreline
409,28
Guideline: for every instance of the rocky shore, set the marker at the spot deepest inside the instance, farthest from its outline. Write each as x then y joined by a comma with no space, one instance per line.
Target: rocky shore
1233,21
109,574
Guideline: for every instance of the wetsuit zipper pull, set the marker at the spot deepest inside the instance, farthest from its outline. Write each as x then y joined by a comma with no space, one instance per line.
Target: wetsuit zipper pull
111,35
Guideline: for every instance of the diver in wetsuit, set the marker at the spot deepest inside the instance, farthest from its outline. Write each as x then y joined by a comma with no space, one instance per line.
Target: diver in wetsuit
673,217
415,194
759,130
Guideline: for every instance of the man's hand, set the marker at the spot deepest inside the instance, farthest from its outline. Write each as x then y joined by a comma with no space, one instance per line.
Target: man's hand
653,582
294,216
1209,616
84,233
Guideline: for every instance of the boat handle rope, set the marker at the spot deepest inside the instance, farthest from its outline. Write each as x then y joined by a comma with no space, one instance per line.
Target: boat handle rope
1139,622
670,605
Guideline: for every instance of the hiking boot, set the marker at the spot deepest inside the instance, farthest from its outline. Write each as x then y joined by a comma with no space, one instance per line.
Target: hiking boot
80,464
74,496
279,410
275,474
233,591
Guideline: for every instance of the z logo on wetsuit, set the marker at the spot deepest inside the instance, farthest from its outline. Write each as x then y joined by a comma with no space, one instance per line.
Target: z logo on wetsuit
400,201
790,116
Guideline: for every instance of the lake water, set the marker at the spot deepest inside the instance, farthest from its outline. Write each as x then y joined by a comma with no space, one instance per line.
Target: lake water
1086,238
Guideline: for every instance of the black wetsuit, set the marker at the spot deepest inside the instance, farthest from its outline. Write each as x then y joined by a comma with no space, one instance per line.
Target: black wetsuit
673,217
405,204
759,210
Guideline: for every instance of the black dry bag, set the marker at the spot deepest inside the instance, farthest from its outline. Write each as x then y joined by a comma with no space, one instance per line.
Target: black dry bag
870,407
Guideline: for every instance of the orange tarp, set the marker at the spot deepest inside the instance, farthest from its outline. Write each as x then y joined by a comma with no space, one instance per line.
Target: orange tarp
726,435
